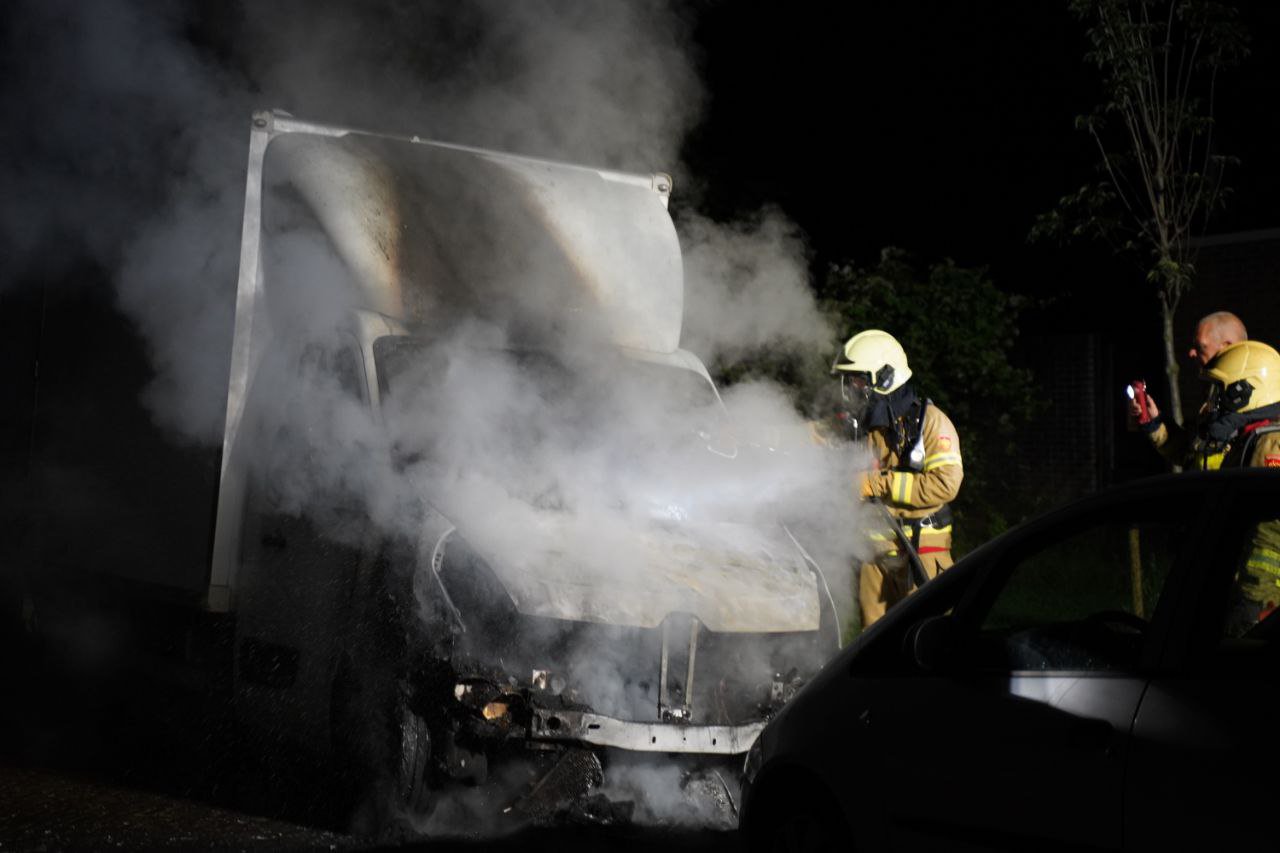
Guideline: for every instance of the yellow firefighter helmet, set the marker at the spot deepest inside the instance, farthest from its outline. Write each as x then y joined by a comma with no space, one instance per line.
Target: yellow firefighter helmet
877,354
1246,376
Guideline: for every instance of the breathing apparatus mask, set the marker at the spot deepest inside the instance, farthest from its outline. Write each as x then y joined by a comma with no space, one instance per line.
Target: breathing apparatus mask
855,394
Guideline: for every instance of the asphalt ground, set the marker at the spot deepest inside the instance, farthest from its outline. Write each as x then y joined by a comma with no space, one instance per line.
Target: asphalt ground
63,810
43,809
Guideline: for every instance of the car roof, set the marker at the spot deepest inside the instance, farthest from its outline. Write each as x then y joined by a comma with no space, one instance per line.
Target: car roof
1163,486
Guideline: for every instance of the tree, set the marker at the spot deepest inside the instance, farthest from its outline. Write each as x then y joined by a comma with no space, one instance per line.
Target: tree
1160,177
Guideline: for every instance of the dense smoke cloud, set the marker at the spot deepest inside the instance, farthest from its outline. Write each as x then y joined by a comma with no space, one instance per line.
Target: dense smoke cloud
550,449
748,287
599,486
126,124
120,147
105,106
611,84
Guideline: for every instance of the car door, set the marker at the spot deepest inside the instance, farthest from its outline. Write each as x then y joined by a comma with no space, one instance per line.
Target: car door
1205,736
1022,739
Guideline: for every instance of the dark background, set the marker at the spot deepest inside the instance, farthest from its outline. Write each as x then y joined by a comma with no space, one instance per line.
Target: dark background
945,128
940,127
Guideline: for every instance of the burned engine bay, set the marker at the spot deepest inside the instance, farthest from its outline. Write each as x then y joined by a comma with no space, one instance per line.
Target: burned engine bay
497,684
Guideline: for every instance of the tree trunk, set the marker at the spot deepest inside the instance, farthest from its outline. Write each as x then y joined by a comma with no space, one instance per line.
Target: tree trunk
1174,407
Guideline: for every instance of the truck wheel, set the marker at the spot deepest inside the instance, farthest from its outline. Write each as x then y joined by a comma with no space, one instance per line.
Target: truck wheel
413,736
382,747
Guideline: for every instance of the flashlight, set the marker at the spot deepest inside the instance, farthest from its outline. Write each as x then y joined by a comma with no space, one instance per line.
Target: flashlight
1137,390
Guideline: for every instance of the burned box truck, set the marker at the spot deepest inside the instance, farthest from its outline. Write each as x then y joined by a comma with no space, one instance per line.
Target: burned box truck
458,521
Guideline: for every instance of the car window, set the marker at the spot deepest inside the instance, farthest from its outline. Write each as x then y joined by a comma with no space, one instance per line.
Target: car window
1082,602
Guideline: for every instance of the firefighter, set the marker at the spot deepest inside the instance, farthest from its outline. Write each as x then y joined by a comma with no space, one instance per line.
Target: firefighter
1185,447
1243,428
916,470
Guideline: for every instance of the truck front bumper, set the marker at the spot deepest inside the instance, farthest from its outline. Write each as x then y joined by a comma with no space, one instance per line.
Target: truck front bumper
599,730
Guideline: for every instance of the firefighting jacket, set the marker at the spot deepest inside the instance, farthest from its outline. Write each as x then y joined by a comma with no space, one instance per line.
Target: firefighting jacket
1191,450
919,490
1181,446
1258,446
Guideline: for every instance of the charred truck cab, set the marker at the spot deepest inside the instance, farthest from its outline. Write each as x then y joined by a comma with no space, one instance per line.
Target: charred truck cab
424,656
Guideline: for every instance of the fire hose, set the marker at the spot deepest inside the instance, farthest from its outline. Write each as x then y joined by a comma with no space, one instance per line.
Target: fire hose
915,569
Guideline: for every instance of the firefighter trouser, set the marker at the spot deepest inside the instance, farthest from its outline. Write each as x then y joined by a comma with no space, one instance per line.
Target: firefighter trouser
887,581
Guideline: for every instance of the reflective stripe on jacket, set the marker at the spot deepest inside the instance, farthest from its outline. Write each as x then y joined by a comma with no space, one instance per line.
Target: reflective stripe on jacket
917,494
1180,446
1262,565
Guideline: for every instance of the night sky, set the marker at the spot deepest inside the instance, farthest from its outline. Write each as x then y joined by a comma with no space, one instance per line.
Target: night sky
943,128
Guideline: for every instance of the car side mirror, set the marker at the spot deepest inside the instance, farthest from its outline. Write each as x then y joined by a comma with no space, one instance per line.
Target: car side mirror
932,643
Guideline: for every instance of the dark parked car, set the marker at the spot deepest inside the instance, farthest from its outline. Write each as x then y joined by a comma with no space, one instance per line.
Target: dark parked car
1074,684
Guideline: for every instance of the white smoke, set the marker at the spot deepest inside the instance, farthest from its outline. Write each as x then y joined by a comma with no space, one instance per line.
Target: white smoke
674,795
605,451
611,84
747,287
134,153
560,457
125,140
